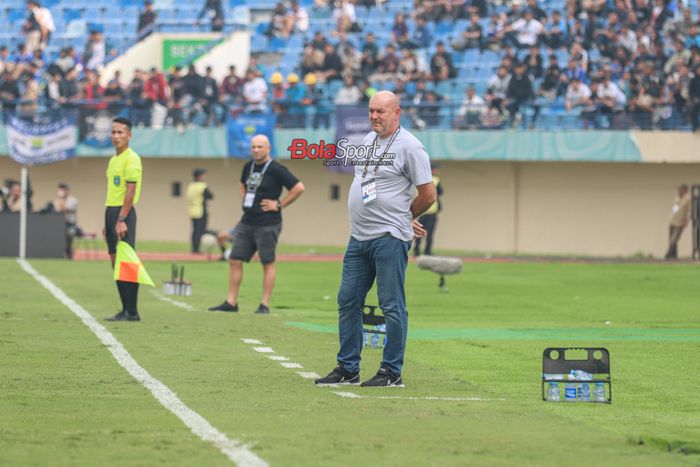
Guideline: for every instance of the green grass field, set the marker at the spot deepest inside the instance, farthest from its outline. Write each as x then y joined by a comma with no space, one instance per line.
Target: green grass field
64,400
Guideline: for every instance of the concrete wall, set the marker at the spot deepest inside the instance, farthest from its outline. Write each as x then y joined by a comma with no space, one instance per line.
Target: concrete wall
526,207
235,50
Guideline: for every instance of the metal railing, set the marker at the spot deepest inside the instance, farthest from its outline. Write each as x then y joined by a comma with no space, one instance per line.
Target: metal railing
438,116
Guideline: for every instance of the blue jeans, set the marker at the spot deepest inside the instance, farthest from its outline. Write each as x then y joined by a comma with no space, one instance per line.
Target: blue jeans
385,259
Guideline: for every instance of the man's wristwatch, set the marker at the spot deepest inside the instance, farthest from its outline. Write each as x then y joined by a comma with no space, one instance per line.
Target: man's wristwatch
121,219
279,205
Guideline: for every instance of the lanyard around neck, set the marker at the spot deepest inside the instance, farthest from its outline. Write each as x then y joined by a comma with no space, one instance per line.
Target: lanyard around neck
386,151
262,174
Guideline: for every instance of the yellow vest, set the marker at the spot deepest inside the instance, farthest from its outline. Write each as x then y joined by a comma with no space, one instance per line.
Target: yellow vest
433,209
195,199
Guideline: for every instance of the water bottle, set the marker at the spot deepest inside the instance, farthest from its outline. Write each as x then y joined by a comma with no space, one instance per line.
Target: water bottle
553,392
382,327
365,338
570,391
584,392
375,339
599,392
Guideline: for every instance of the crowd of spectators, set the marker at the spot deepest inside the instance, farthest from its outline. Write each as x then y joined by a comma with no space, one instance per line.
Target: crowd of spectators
628,63
613,64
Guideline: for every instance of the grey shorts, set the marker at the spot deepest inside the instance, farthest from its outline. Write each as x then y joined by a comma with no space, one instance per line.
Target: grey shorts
248,239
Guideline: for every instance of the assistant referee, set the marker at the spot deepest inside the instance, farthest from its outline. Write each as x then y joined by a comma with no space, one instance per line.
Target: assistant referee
123,192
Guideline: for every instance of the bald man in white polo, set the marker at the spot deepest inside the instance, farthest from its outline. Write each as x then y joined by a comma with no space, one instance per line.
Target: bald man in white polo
383,224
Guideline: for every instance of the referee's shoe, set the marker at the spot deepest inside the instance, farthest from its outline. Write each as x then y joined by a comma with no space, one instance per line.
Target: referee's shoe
124,316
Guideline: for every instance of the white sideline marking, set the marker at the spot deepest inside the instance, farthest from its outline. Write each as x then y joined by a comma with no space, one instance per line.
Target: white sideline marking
251,341
236,451
163,298
290,365
352,395
349,395
263,349
308,374
277,358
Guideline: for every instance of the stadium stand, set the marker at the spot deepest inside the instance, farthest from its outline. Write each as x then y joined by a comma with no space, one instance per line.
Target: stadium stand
565,64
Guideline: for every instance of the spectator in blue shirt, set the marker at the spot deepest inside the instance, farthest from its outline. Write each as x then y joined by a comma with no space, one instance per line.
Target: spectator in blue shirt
574,71
293,100
422,36
555,33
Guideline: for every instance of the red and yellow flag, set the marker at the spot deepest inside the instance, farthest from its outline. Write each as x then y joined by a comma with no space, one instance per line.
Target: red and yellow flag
128,267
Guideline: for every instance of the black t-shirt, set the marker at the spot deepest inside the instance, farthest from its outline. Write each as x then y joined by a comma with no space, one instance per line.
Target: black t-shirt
177,87
275,178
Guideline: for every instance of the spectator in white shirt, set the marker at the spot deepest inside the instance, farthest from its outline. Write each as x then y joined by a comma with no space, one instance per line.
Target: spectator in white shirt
344,15
525,32
95,51
48,27
471,111
498,85
627,39
299,17
349,94
255,92
578,94
611,100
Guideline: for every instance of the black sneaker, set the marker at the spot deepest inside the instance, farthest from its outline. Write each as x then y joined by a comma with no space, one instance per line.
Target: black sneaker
124,316
263,310
384,378
226,306
120,316
339,375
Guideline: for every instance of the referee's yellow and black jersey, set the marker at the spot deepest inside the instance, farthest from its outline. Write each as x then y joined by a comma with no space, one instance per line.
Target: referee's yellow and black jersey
124,167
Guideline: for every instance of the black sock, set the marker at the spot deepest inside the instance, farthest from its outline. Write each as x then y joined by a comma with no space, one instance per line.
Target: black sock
121,287
132,295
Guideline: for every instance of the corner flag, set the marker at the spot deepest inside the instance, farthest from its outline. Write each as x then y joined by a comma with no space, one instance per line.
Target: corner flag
128,267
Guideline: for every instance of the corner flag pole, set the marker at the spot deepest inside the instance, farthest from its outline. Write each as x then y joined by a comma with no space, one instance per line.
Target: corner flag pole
23,217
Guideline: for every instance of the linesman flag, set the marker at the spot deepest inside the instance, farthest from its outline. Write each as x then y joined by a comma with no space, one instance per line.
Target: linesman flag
128,267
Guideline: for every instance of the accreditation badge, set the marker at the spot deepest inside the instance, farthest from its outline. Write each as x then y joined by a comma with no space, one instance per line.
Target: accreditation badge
369,191
249,199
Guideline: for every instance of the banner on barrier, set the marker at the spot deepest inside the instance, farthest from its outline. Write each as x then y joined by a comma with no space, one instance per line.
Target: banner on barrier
95,127
41,143
242,128
352,125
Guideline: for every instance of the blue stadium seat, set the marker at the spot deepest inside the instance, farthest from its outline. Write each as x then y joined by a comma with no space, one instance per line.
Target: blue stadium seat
15,15
69,14
443,28
167,15
239,15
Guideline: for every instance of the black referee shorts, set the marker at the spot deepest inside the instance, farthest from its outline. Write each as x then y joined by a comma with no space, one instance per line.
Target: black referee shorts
111,216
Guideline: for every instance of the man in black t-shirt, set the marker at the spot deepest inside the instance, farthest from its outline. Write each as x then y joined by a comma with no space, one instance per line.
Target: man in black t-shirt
262,181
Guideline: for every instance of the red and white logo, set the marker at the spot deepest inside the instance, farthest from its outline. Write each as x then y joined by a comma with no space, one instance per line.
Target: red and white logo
340,153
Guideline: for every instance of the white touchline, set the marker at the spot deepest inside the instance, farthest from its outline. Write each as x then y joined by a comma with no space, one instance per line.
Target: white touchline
163,298
291,365
235,450
263,349
352,395
308,374
277,358
251,341
349,395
